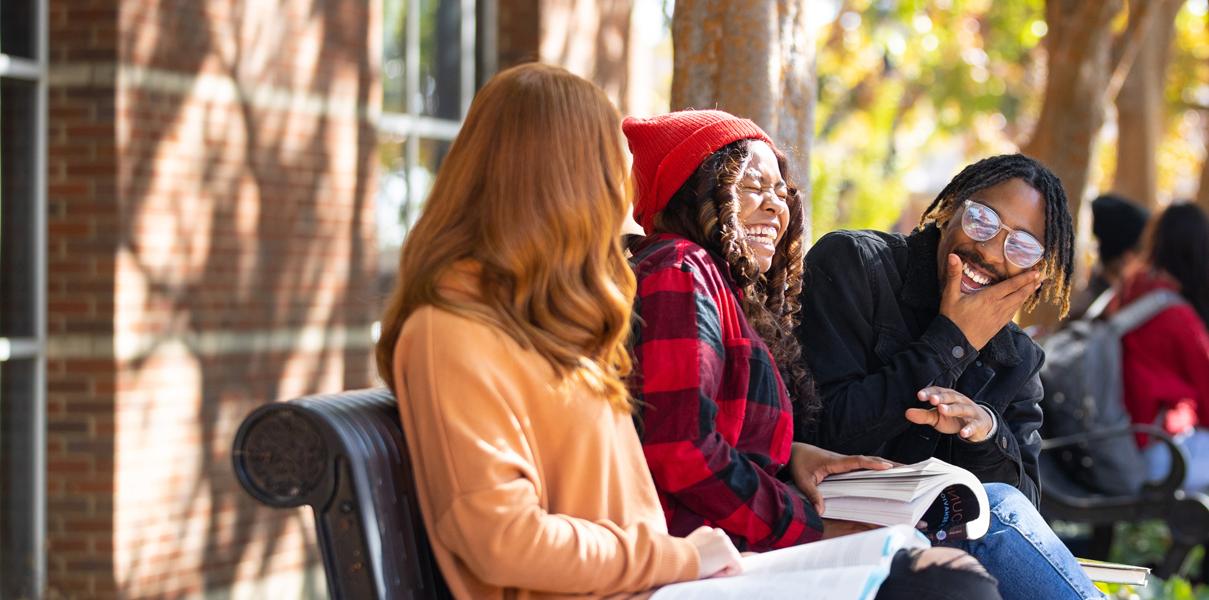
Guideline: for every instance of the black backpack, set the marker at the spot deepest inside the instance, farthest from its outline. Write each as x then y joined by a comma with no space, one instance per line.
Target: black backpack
1083,392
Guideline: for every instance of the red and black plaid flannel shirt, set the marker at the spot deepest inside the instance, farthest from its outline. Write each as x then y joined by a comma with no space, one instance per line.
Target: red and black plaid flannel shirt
716,419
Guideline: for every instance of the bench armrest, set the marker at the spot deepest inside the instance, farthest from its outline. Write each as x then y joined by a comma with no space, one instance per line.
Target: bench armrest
1179,468
344,456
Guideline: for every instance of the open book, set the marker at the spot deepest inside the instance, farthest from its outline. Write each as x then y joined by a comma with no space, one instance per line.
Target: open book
1106,572
947,502
851,567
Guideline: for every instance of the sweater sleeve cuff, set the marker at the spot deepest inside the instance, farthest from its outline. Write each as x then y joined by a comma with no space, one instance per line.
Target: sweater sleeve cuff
677,561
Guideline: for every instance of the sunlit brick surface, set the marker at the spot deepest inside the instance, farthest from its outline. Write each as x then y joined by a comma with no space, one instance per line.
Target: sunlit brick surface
210,184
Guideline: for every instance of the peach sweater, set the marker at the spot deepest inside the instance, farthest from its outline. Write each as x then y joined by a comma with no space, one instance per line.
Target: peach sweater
528,490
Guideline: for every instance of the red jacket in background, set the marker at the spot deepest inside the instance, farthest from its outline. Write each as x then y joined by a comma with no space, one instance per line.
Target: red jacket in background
1166,360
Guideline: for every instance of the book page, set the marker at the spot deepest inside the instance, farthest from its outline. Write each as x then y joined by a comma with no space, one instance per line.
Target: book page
842,583
846,568
865,548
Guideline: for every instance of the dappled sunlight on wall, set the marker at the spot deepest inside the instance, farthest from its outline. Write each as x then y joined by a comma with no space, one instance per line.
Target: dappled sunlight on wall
240,273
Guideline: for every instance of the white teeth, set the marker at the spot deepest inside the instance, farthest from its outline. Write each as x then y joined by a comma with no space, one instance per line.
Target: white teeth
763,231
979,279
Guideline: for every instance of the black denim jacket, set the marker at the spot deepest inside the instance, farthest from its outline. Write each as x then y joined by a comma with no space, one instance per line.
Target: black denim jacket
873,336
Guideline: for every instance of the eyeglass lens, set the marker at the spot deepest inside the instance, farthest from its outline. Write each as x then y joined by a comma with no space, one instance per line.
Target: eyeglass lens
982,223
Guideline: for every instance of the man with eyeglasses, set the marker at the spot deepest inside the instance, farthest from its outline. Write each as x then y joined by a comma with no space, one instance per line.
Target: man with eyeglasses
910,338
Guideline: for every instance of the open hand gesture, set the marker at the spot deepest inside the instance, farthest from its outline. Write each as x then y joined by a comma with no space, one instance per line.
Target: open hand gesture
952,412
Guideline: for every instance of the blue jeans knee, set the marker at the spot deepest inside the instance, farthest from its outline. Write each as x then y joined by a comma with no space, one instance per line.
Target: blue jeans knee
1022,552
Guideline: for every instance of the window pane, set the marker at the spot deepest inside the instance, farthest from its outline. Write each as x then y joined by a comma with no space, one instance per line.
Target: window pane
18,554
18,28
400,198
429,158
440,58
394,58
17,203
394,212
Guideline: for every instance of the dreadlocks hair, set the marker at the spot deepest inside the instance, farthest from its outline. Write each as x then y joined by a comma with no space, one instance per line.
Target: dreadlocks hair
705,210
1059,262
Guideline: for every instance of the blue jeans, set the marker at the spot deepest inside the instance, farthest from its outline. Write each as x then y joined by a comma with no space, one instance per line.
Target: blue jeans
1195,446
1022,552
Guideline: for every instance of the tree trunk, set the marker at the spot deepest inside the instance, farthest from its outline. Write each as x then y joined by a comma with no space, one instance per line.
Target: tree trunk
1202,192
753,59
1140,113
1087,65
590,39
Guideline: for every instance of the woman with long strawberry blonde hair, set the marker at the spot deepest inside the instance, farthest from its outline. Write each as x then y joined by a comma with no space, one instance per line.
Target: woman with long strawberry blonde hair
504,342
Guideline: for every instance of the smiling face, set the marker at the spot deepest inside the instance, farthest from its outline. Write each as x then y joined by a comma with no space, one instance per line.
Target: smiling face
1020,207
763,204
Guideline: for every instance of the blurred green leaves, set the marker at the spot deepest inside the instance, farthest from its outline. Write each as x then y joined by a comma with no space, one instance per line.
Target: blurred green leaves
1144,544
898,80
903,82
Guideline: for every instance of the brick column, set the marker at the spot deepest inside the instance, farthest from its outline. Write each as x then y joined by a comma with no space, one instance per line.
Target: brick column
83,220
211,179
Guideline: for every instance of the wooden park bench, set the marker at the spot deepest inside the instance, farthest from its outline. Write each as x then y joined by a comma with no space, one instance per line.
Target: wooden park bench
1186,514
344,456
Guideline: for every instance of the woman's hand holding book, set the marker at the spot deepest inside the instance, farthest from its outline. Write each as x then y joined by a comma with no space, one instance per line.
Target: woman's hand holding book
809,465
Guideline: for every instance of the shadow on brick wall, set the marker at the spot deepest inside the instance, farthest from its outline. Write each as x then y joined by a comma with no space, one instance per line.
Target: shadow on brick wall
244,241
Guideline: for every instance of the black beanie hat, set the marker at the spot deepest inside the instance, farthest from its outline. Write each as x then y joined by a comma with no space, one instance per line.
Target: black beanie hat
1118,224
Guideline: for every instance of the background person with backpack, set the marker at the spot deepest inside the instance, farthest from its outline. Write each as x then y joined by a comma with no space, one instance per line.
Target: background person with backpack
1117,224
1165,361
1081,375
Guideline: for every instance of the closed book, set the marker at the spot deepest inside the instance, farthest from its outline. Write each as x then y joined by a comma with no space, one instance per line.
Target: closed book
1106,572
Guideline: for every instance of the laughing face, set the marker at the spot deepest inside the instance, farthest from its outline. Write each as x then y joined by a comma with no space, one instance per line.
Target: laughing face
1020,207
763,204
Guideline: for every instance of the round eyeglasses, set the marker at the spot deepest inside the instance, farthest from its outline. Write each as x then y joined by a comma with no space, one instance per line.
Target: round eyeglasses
982,223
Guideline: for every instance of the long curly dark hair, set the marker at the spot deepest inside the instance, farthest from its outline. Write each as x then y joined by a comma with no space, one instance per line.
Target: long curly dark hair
1179,245
705,210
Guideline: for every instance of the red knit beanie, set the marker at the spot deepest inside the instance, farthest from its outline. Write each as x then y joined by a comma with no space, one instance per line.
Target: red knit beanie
668,148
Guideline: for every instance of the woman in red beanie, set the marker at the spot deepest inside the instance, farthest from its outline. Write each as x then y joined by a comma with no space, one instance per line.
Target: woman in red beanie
718,279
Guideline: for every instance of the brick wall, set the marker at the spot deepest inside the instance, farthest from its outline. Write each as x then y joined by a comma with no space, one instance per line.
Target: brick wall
82,239
210,194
